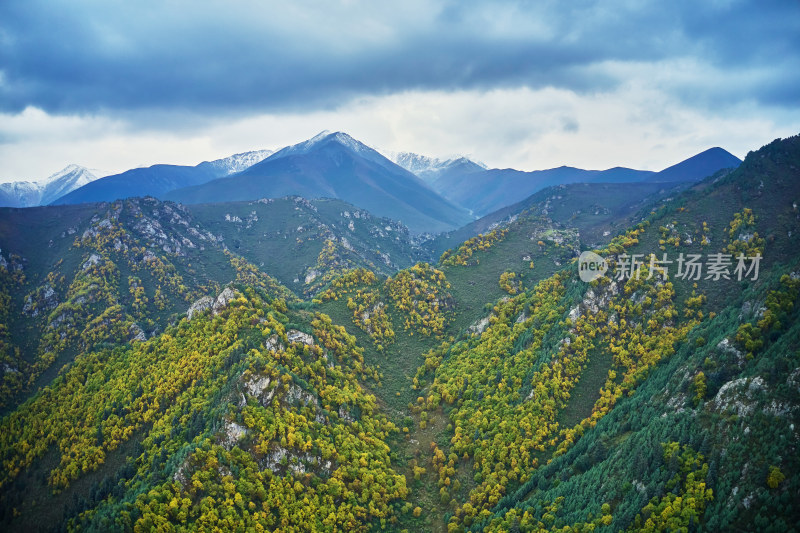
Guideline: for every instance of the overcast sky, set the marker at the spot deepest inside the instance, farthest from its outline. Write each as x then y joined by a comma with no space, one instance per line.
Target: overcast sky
113,85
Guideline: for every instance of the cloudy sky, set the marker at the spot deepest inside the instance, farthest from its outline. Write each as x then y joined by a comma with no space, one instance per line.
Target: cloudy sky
113,85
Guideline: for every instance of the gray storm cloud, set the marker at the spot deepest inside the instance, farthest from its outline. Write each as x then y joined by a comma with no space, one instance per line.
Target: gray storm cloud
84,56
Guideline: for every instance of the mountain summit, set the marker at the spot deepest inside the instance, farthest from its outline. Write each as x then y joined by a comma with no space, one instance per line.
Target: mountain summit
33,193
429,169
335,165
699,166
325,137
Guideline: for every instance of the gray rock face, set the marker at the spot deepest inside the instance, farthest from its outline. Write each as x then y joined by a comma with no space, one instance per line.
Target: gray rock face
42,300
297,395
295,336
223,299
367,315
259,387
312,275
137,334
93,260
9,368
274,343
725,345
232,433
182,473
274,458
344,414
741,396
298,463
480,326
207,302
204,303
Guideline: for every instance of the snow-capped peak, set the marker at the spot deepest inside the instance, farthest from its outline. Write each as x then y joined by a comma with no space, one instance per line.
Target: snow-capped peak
317,138
239,162
323,137
71,171
423,165
356,146
49,189
63,172
338,137
65,181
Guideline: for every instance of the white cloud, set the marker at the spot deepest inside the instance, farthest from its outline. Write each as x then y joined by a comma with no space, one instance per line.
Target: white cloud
636,125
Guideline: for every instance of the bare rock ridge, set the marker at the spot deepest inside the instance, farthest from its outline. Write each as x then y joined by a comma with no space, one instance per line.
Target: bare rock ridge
215,304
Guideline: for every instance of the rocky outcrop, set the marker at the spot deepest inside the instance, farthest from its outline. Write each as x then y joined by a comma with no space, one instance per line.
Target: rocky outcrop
232,433
40,301
261,388
203,304
297,396
596,299
744,395
215,304
480,326
94,259
137,333
224,298
182,474
274,343
345,414
298,337
298,463
312,275
725,345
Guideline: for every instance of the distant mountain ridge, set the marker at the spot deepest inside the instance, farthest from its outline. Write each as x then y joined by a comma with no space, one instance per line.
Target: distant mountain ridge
33,193
334,165
431,168
157,180
429,194
485,191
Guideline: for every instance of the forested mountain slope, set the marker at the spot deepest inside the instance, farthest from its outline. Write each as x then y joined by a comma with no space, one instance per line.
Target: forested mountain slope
76,276
489,390
660,403
595,210
574,404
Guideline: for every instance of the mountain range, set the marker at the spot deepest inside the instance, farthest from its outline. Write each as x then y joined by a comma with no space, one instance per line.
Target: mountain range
157,180
428,194
483,191
335,165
